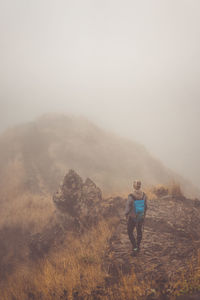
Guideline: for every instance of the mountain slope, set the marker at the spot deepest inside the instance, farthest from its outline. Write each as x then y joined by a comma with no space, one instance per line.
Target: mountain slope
84,251
35,156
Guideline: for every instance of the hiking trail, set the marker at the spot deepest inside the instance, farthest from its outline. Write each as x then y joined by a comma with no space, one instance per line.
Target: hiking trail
171,236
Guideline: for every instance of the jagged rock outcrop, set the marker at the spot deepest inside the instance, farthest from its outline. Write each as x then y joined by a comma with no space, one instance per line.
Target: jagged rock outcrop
79,206
78,201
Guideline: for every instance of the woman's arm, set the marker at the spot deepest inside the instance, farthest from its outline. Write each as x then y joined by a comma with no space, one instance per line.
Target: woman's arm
129,205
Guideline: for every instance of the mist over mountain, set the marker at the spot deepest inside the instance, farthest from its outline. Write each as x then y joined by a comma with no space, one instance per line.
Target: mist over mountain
35,156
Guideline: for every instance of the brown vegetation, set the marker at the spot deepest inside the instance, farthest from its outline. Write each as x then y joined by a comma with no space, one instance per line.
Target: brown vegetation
30,212
74,268
172,189
77,271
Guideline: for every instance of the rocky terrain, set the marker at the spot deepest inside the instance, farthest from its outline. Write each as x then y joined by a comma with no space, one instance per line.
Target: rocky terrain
171,235
79,206
171,231
83,201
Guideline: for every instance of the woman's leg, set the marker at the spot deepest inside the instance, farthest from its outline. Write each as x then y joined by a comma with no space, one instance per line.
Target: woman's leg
139,232
130,227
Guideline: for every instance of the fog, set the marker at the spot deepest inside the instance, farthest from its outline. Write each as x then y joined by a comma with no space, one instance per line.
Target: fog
132,67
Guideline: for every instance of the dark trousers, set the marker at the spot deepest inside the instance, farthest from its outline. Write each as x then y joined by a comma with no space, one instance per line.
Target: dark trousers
132,223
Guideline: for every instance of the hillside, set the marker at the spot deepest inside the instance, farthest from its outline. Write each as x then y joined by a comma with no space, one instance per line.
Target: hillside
35,156
84,252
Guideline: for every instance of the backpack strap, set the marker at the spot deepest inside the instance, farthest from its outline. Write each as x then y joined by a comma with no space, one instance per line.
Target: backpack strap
143,197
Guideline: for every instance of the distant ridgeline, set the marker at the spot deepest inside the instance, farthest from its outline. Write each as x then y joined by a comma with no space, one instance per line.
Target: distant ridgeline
36,156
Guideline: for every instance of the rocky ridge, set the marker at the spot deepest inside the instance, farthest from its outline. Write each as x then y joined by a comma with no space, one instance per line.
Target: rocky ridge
171,234
82,202
79,205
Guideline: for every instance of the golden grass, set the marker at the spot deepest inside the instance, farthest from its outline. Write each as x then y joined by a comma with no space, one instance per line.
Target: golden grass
188,280
18,206
129,288
74,267
172,189
27,211
78,265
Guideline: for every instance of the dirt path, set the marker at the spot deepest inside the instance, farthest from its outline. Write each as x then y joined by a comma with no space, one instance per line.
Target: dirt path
171,237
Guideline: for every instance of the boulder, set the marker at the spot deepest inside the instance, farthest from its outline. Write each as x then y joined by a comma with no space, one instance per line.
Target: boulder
78,201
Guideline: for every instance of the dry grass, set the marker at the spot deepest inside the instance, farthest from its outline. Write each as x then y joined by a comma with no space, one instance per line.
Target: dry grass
188,280
150,194
175,189
76,267
20,219
129,288
28,211
172,189
18,206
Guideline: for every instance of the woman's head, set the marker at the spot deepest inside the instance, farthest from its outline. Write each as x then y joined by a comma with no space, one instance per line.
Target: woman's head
137,184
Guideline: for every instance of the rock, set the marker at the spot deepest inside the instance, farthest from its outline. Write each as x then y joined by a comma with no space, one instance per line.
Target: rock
79,205
67,198
78,201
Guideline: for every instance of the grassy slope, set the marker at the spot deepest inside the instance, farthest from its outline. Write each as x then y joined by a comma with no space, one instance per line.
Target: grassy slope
78,266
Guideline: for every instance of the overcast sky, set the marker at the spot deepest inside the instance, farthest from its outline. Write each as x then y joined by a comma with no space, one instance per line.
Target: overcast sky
133,67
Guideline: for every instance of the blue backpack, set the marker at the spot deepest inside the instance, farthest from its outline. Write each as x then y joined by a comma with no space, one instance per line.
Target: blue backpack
139,208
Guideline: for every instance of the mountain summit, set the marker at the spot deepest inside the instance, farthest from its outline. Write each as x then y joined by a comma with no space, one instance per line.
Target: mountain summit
35,156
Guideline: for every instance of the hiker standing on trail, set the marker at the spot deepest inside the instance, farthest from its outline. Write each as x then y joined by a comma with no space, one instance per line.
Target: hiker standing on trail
135,212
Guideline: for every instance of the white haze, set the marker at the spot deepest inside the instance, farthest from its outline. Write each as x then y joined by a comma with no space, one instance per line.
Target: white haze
132,67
